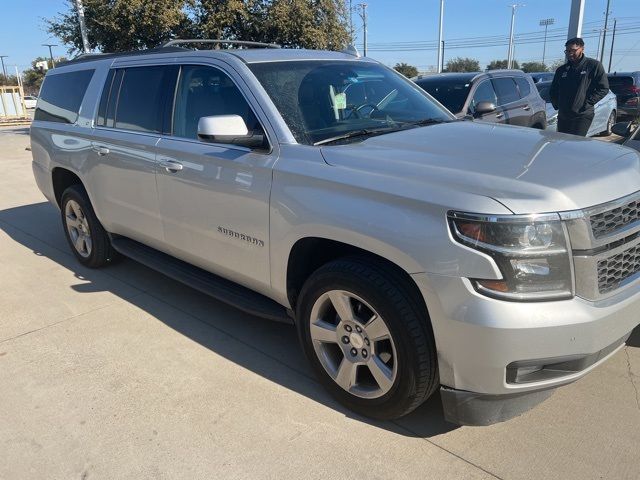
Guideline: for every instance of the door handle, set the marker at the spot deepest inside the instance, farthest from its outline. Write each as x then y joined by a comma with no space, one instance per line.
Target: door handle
100,150
171,165
499,115
526,107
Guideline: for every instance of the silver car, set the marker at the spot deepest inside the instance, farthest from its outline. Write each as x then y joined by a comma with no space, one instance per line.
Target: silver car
605,112
412,251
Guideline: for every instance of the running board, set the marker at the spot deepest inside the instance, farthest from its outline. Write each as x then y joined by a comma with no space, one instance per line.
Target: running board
206,282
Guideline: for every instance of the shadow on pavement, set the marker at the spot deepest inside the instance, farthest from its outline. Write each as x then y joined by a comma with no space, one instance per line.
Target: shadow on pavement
634,338
15,130
214,325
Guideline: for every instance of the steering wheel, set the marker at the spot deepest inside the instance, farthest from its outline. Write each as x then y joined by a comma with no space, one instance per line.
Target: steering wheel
373,107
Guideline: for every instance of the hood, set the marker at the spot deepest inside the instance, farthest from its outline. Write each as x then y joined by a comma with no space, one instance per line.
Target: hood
527,170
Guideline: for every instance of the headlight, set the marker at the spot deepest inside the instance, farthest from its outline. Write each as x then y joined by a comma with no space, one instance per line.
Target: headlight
531,251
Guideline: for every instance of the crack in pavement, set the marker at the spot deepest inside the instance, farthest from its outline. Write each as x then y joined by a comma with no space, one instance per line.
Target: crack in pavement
631,375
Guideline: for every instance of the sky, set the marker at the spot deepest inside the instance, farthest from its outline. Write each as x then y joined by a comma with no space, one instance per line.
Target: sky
404,30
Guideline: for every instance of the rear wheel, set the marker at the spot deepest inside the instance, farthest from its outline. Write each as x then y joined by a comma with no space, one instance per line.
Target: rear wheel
367,337
610,123
86,236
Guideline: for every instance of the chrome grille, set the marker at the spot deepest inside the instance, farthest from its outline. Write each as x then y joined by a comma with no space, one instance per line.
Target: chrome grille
608,222
613,271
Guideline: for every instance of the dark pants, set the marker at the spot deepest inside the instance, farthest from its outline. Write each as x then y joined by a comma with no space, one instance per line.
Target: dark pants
578,125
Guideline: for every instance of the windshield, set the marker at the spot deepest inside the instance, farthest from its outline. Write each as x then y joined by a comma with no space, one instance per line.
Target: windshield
321,100
451,93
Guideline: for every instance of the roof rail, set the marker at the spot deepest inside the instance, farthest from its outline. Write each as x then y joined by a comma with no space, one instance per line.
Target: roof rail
172,43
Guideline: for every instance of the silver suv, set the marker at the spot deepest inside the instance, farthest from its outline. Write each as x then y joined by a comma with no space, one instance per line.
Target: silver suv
413,251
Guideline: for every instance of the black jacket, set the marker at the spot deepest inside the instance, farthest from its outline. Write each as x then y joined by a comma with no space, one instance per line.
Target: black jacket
576,89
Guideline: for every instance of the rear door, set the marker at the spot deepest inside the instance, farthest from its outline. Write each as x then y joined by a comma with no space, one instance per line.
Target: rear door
128,127
516,109
215,205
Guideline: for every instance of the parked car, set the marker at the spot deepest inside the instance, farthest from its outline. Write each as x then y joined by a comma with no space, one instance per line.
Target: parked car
626,86
605,112
412,251
498,96
630,132
542,76
30,101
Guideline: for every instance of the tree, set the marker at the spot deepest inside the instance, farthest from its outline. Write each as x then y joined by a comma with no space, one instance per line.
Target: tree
459,64
32,78
557,64
121,25
501,64
405,69
534,67
8,80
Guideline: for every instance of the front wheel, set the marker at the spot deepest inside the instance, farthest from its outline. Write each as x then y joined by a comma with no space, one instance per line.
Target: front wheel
368,337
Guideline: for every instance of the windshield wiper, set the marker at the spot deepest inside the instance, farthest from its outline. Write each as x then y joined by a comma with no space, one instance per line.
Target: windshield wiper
365,132
427,121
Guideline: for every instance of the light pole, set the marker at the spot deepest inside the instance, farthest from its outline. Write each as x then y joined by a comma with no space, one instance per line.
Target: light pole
545,23
604,33
363,15
53,63
513,19
83,27
440,41
4,70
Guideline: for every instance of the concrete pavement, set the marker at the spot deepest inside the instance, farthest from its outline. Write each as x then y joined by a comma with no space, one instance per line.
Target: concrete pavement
122,373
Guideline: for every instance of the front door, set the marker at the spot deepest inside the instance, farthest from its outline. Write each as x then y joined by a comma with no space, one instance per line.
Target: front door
214,198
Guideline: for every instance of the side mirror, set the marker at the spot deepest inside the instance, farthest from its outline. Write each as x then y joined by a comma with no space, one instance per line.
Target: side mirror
483,108
229,129
622,128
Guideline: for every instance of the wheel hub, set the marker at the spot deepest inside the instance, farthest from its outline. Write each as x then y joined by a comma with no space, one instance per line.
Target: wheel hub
356,340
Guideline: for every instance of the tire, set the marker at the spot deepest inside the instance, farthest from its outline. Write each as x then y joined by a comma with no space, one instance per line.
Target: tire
380,348
85,234
610,122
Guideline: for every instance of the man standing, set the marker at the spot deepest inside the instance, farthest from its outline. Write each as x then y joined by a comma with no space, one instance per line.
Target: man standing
577,86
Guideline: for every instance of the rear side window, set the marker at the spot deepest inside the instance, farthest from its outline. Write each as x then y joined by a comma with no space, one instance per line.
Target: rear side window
523,86
61,96
506,90
141,99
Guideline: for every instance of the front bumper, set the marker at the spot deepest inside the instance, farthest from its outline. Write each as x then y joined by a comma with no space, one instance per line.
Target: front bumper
478,338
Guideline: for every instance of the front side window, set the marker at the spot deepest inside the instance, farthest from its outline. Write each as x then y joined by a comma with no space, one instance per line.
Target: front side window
484,93
61,96
323,100
203,92
506,90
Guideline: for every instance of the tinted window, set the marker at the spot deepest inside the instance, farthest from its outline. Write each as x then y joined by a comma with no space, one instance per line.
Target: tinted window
141,99
506,90
620,84
61,96
104,99
204,92
452,94
484,93
523,86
